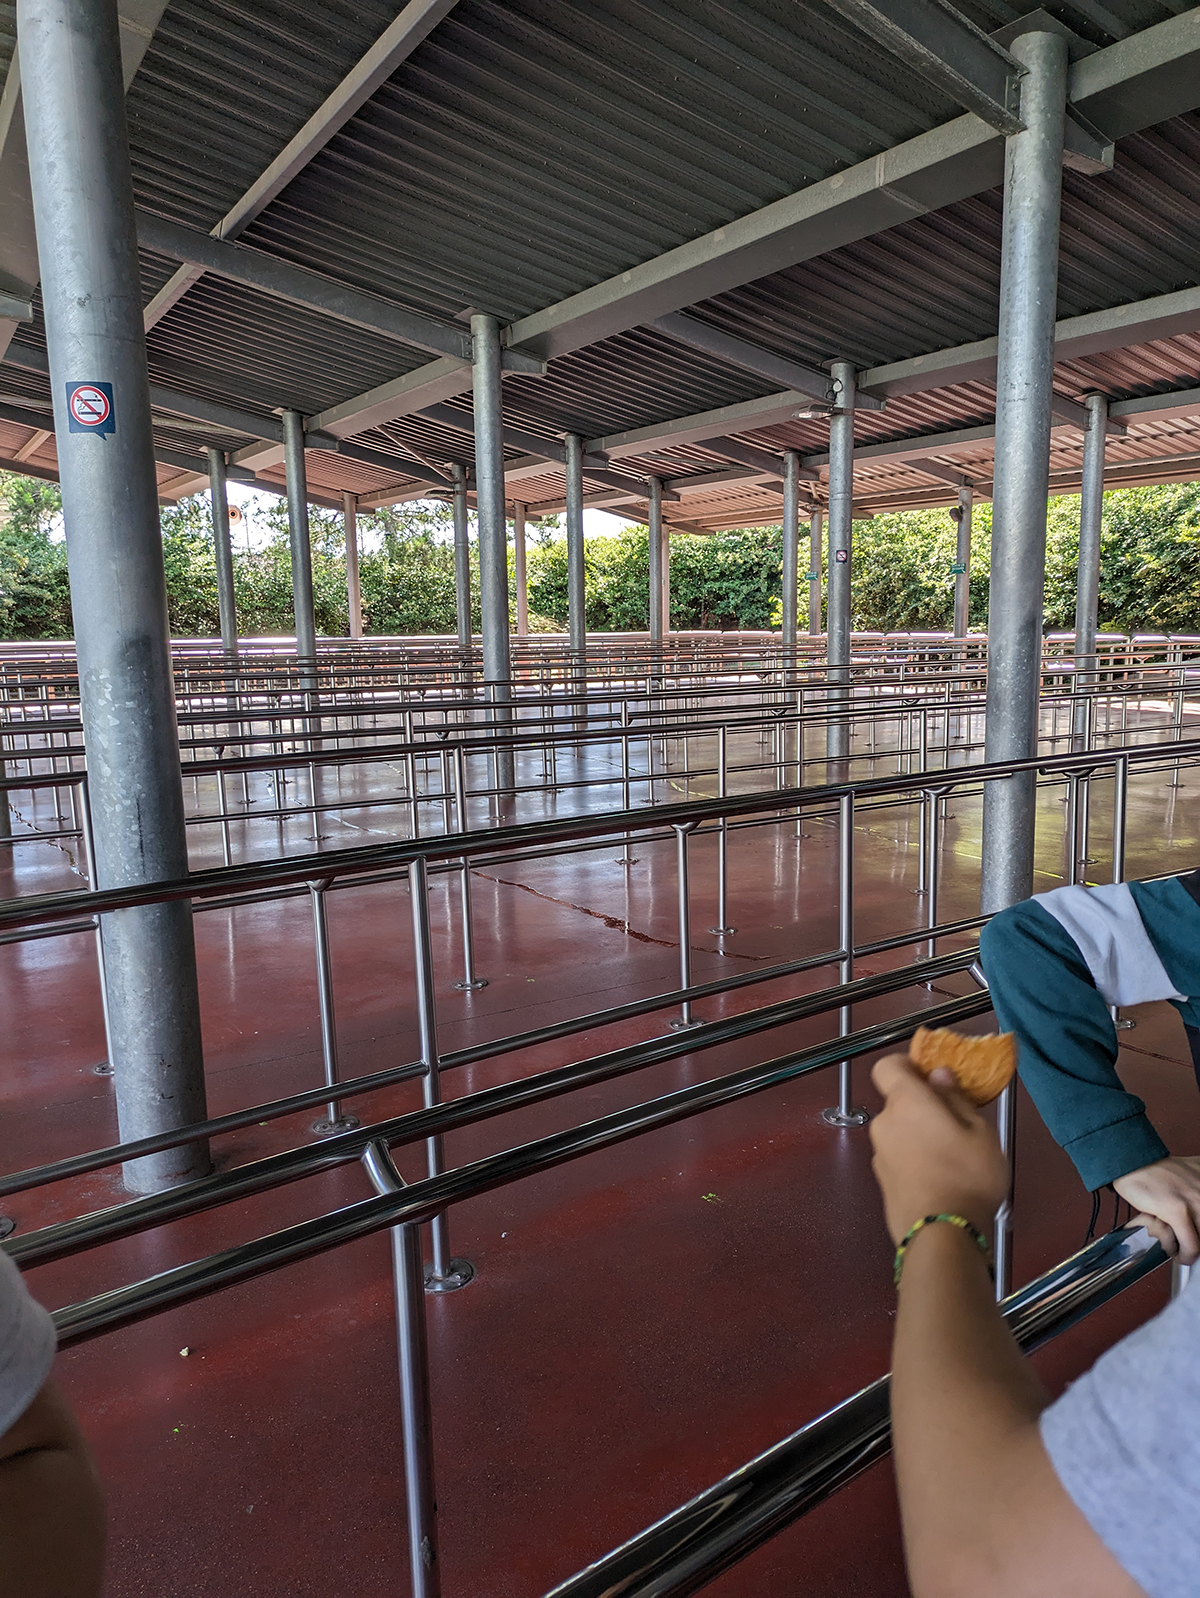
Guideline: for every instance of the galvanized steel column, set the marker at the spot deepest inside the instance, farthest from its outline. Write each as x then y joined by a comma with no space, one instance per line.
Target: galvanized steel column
837,585
297,504
962,560
576,587
493,530
791,550
223,550
462,557
1087,579
353,586
816,532
91,289
656,565
1028,288
519,577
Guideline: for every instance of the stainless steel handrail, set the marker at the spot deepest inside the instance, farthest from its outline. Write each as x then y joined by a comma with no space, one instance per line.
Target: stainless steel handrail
36,908
291,1165
420,1201
867,987
692,1546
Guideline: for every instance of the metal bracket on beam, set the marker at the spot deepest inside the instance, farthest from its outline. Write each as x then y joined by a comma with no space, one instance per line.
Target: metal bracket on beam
1076,415
15,307
948,51
1086,149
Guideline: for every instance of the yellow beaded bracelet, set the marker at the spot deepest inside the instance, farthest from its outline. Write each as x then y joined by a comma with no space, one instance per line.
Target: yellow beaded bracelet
951,1220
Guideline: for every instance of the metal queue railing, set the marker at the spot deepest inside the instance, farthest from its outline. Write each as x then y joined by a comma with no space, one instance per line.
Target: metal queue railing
926,729
317,875
687,1549
402,1208
369,673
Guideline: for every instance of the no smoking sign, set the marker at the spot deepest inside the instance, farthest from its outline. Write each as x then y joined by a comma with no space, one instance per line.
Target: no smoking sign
90,408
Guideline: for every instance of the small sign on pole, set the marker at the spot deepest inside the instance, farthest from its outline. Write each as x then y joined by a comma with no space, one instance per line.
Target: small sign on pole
90,408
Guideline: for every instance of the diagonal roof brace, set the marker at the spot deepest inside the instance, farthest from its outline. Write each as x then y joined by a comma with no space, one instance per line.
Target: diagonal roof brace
698,335
750,455
301,287
948,51
944,474
514,437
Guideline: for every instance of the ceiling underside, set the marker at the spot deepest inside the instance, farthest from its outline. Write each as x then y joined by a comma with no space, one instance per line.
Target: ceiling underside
523,153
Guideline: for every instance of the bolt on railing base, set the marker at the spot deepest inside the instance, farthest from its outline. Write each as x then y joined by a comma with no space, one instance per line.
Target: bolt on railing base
460,1274
834,1116
469,987
722,932
330,1126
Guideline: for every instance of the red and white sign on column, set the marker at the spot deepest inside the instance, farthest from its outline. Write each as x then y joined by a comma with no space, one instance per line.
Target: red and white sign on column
90,407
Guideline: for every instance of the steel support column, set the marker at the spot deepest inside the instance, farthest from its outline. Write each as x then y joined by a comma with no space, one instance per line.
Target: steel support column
519,576
656,544
297,504
791,550
83,203
816,538
1087,580
837,586
493,532
353,587
462,557
1028,286
223,550
962,561
576,589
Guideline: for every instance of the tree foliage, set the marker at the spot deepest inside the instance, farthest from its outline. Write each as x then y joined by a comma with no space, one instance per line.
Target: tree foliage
901,580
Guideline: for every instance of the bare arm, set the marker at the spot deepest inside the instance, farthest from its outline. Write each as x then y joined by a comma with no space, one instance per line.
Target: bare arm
51,1506
984,1513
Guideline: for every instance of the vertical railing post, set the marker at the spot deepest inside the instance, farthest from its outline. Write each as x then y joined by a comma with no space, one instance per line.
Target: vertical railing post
685,1018
334,1120
443,1274
416,1408
844,1112
470,979
1002,1241
722,928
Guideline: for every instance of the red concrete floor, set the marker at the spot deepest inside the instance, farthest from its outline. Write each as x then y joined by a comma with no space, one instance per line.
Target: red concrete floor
643,1320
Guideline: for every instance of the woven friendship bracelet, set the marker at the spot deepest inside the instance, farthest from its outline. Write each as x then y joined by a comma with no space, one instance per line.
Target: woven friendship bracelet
951,1220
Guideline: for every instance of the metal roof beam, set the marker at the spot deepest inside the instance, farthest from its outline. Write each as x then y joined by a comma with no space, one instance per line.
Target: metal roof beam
1140,322
226,418
948,51
1133,84
514,437
744,417
394,45
299,287
944,474
698,335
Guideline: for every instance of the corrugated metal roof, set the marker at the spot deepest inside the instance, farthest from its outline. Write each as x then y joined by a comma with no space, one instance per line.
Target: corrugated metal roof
528,149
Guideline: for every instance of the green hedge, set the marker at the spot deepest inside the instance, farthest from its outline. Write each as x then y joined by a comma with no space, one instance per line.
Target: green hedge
1149,578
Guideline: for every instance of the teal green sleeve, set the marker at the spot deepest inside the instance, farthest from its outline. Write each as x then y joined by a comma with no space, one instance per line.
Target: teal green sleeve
1067,1045
1171,918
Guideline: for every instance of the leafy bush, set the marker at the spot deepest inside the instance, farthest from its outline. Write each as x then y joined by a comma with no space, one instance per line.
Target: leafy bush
901,580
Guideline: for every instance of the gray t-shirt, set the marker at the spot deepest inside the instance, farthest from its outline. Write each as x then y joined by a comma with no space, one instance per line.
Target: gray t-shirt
26,1345
1125,1442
